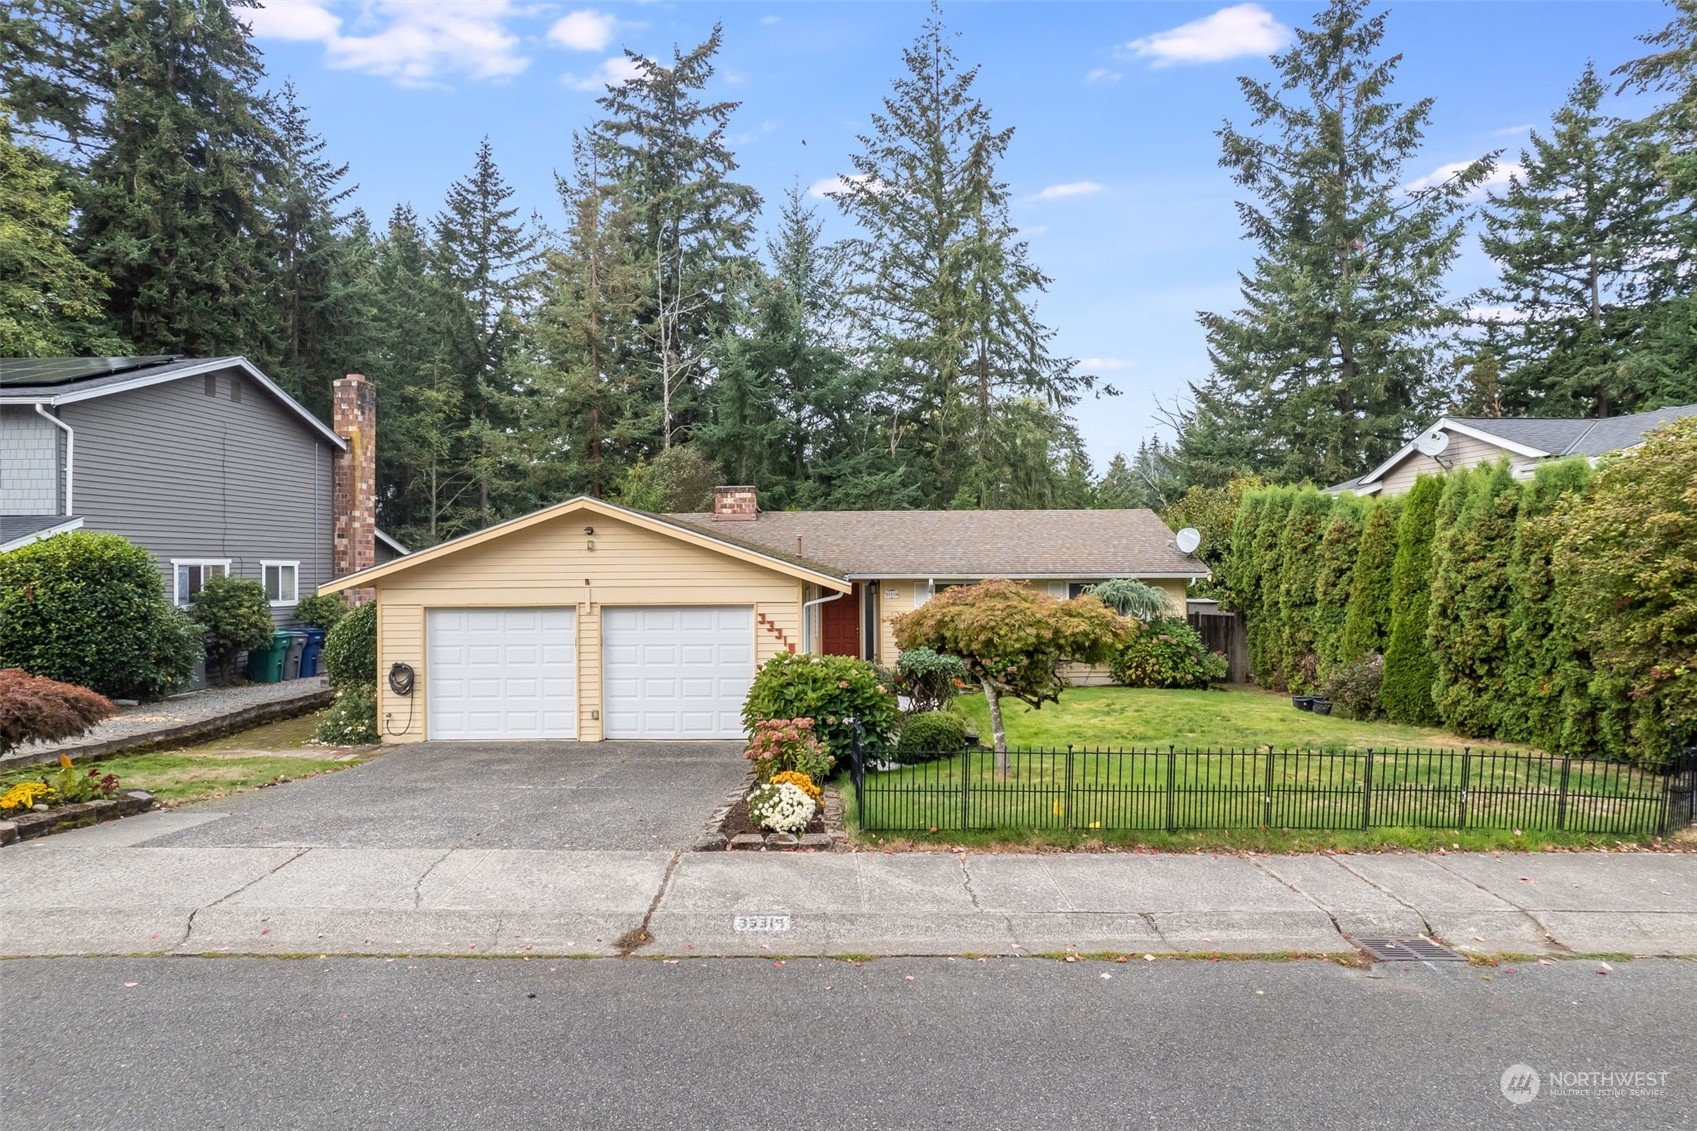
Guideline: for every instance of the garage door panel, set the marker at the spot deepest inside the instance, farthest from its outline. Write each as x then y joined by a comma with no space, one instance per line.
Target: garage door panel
502,673
676,671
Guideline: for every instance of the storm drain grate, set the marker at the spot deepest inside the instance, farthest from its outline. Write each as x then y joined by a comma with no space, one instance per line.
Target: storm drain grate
1409,950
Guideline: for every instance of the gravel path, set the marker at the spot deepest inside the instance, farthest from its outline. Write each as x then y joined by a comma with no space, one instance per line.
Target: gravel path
178,710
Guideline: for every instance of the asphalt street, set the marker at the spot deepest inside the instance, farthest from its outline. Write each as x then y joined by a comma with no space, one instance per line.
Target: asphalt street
185,1043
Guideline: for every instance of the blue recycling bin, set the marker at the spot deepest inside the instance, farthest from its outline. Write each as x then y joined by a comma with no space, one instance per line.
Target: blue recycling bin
309,654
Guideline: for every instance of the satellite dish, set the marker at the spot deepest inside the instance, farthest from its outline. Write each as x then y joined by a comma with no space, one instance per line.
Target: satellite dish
1431,443
1187,540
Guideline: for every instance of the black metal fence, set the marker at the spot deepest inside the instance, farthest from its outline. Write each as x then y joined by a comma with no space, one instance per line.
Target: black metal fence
1176,790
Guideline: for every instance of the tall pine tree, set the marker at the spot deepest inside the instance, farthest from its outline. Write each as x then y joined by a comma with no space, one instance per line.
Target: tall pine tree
1331,359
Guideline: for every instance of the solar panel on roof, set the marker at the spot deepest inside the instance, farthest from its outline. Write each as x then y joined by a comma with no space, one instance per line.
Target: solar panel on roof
58,370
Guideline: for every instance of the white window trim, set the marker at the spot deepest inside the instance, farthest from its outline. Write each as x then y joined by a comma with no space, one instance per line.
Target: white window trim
264,564
176,577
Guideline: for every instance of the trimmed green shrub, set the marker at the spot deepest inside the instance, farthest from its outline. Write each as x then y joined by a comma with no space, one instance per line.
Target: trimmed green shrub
1298,573
350,649
929,679
1367,625
90,610
1334,579
1549,701
932,734
1357,688
1467,629
1626,557
234,615
1167,653
830,690
1408,665
321,611
352,718
1263,616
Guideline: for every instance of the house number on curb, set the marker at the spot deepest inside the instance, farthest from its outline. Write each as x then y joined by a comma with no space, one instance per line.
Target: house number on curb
761,923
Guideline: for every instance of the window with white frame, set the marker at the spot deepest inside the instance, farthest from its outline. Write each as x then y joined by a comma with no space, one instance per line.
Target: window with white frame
281,582
192,573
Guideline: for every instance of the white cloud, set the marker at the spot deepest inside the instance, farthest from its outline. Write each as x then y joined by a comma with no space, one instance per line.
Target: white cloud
1495,314
770,20
1497,181
1243,29
583,30
1103,74
1104,364
832,186
612,71
1071,188
1510,131
1034,230
412,44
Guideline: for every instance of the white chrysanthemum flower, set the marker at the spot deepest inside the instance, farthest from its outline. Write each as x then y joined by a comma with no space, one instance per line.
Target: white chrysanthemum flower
783,808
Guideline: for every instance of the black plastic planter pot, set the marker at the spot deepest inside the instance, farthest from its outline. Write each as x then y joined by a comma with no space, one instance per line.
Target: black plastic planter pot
1302,702
1320,706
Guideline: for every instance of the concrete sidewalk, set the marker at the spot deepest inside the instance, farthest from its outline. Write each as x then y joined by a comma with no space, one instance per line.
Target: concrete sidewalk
93,891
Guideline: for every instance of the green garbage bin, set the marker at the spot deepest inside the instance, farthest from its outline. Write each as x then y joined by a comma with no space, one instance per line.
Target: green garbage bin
265,665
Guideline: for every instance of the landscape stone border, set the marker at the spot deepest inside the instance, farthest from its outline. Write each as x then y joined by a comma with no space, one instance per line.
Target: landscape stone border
834,838
183,734
28,826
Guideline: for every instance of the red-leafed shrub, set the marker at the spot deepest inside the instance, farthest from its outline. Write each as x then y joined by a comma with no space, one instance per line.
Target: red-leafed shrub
36,709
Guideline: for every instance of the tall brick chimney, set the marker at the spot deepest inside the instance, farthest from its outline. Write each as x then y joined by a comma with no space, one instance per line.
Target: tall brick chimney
735,504
354,481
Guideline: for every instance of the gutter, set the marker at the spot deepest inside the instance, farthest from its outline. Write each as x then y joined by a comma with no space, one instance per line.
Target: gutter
70,453
807,625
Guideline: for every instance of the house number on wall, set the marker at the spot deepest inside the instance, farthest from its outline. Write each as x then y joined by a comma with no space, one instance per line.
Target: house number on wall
761,922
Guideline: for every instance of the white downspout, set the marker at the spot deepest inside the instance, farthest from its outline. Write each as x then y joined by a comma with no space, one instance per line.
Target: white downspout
70,453
807,621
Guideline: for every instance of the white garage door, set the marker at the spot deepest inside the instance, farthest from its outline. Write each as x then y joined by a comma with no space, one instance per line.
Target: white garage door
676,672
502,673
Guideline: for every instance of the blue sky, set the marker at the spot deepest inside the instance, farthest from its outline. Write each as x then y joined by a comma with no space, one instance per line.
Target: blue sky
1113,164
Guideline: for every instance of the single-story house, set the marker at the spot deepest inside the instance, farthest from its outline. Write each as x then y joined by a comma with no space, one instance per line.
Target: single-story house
205,462
1460,442
589,620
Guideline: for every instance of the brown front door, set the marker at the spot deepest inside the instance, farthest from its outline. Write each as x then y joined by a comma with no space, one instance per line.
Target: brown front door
839,625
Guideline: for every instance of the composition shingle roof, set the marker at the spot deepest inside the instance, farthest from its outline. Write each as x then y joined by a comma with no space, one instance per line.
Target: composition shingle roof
1069,544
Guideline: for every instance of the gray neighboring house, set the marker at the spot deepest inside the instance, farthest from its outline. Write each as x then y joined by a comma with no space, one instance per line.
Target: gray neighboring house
1525,441
205,462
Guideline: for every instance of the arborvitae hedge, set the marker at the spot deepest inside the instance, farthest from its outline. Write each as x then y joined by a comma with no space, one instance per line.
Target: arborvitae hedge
1334,579
1407,691
1467,630
1367,626
1299,570
1263,618
1549,670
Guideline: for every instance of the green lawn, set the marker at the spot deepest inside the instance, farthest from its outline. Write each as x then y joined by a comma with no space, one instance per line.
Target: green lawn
1418,787
1235,719
267,754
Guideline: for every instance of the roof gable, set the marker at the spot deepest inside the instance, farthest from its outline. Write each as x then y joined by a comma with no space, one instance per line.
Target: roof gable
584,505
158,371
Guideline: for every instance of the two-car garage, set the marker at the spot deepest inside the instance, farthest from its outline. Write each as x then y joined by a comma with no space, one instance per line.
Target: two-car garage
585,621
669,671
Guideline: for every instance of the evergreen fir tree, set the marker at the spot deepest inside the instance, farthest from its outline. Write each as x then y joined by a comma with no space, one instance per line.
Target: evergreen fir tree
171,211
1331,360
1574,236
947,289
1407,687
689,224
50,302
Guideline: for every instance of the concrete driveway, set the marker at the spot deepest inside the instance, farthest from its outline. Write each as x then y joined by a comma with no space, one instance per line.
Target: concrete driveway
523,795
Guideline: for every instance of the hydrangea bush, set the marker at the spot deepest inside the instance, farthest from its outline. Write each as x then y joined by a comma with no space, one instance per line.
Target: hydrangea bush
782,807
788,745
830,690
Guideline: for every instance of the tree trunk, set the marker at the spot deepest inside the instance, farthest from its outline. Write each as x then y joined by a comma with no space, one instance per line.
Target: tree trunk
998,733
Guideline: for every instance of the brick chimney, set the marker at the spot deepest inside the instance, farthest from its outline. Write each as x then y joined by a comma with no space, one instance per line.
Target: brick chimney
735,504
354,481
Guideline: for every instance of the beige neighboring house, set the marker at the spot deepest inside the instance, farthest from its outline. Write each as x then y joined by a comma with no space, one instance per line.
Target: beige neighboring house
1459,442
588,620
